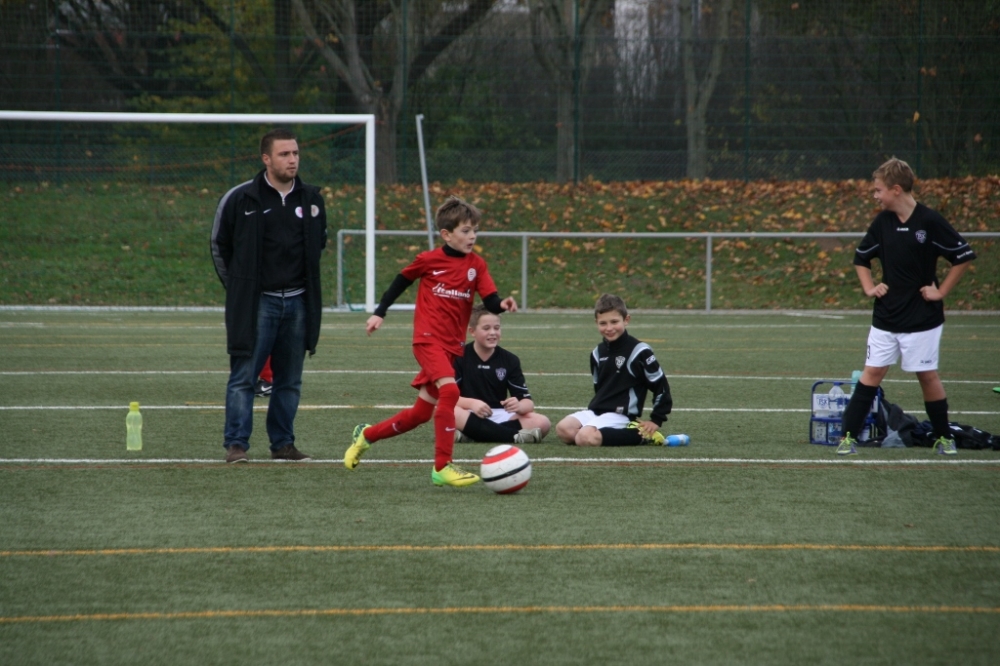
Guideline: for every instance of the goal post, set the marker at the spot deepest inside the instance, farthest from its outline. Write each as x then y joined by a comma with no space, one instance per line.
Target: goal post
368,120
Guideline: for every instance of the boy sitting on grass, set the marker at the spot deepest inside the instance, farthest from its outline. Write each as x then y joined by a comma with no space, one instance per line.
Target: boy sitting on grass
486,373
624,369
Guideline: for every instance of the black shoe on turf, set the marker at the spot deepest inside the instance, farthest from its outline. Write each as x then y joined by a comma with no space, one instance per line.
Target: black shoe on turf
236,454
262,389
289,453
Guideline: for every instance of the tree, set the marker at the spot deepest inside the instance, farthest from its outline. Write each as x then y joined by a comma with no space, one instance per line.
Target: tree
135,46
916,79
698,89
562,34
125,46
283,74
379,49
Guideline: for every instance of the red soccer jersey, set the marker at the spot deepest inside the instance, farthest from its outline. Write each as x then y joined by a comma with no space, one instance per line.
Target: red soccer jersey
448,286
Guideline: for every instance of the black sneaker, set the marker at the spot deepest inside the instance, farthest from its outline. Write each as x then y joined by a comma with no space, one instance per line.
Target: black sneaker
289,452
236,454
262,389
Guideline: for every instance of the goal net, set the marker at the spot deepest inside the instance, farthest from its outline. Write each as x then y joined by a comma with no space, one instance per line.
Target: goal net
145,186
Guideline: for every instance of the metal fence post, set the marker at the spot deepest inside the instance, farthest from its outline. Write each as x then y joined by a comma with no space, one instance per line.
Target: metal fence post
524,270
708,272
340,268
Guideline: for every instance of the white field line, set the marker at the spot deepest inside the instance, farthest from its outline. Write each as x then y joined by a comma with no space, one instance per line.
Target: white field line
508,326
263,408
922,462
29,373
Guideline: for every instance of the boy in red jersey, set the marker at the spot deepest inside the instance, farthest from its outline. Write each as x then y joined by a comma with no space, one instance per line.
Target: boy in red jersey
450,277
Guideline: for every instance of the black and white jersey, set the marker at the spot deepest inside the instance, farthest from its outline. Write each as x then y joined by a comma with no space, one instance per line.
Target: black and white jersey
490,380
623,372
908,252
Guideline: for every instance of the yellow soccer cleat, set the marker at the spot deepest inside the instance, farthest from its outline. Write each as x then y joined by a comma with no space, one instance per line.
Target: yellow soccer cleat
656,439
847,446
353,455
451,475
945,446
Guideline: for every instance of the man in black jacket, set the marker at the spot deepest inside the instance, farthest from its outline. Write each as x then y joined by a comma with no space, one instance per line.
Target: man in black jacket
267,239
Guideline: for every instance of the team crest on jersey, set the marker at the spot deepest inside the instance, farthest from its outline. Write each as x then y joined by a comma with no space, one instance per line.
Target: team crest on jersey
619,361
501,373
472,274
921,236
314,210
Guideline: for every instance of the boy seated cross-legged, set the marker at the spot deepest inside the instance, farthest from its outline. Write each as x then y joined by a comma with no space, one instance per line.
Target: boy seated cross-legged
624,370
495,405
450,277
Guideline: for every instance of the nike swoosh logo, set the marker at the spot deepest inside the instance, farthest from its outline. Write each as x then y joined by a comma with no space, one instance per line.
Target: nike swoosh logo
449,430
437,272
267,211
249,212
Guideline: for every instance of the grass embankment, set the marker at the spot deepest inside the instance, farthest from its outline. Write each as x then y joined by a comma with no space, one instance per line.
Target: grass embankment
123,244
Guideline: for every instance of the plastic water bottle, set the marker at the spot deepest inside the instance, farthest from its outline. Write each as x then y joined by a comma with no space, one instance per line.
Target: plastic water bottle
133,428
677,440
837,401
855,378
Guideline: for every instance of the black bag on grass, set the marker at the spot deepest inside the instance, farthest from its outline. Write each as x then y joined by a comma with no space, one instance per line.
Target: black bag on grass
893,427
968,437
965,436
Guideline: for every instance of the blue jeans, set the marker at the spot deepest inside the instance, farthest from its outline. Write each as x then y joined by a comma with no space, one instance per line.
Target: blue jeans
281,334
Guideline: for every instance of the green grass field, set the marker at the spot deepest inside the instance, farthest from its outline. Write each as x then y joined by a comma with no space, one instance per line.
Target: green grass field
749,546
131,244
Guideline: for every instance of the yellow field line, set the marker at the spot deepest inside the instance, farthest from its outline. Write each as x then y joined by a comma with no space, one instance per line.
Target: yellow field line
215,550
460,610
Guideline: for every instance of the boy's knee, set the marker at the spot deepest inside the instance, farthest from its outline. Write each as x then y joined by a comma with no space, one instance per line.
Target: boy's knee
566,430
927,376
873,375
589,436
448,394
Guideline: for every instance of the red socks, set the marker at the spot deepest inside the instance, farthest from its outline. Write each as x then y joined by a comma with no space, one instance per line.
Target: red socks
421,412
405,421
444,424
266,373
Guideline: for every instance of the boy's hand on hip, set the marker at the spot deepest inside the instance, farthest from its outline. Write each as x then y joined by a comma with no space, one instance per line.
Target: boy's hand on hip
931,293
878,291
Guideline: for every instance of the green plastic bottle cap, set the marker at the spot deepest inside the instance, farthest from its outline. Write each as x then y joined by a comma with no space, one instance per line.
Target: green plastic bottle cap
133,405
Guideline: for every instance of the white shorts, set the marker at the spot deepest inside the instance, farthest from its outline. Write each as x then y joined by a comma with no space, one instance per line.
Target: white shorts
607,420
919,350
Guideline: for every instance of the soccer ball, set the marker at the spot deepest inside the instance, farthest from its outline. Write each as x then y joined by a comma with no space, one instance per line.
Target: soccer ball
505,469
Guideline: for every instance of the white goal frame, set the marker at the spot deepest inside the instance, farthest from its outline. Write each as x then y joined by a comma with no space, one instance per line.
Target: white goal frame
248,118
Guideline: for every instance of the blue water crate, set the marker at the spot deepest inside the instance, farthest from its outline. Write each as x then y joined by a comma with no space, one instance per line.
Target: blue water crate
829,400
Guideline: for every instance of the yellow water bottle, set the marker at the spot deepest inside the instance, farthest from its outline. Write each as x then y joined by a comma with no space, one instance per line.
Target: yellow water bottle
133,428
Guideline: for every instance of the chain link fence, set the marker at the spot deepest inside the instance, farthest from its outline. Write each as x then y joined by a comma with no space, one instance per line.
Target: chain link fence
790,90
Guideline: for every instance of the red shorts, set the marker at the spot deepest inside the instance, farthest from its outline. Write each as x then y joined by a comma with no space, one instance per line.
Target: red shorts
435,362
